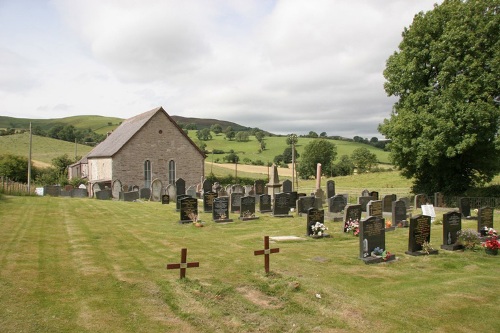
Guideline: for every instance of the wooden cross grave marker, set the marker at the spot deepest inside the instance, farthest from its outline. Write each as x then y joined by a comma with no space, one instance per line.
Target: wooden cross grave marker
183,265
266,252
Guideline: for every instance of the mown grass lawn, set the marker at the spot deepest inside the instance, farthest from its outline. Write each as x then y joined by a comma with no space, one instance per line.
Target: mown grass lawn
83,265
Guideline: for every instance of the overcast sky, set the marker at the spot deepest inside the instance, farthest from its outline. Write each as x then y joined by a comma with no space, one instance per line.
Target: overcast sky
283,66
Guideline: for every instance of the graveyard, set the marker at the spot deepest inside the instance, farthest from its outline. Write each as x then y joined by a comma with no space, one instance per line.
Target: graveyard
88,265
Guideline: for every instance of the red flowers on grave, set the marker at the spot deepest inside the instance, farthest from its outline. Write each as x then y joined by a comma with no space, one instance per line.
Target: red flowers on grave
491,243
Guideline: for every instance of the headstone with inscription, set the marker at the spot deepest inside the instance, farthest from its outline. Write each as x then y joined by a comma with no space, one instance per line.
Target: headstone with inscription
287,186
170,190
236,201
265,205
247,211
352,213
399,214
314,216
259,187
281,205
374,208
387,201
178,201
303,204
208,200
372,236
188,209
452,224
220,212
165,199
79,193
429,211
484,218
419,233
293,199
374,195
237,188
336,205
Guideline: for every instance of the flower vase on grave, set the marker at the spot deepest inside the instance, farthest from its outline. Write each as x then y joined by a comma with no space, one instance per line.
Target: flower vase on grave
491,252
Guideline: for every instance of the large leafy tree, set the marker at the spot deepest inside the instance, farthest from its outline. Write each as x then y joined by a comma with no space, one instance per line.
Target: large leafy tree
317,151
444,128
363,159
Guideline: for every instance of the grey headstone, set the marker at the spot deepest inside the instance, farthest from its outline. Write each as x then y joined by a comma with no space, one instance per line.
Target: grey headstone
260,187
399,214
281,205
265,204
387,201
145,193
330,189
236,201
116,188
287,186
374,208
484,218
129,196
191,191
156,190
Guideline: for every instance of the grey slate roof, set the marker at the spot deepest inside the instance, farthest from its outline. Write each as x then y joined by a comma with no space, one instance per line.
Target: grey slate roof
123,133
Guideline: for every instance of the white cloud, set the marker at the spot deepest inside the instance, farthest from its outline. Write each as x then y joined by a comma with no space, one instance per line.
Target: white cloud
283,66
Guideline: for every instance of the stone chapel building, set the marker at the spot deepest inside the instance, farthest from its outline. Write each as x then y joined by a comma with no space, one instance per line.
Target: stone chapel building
143,148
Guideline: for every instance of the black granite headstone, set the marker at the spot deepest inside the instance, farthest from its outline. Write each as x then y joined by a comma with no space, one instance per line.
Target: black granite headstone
374,195
178,199
314,215
105,195
387,201
287,186
399,214
165,199
188,209
363,201
352,213
247,211
330,189
180,186
336,204
374,208
420,232
236,202
207,185
371,235
452,224
208,201
259,187
265,203
220,212
464,206
127,196
281,206
484,218
303,204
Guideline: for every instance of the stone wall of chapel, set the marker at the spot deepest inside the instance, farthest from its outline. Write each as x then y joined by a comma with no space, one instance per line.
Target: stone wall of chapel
159,141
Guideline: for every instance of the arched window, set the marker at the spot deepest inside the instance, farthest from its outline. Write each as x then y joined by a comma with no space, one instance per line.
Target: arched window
171,172
147,174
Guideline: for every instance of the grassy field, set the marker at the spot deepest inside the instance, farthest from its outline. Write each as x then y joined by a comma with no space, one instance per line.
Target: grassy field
275,146
98,124
43,149
83,265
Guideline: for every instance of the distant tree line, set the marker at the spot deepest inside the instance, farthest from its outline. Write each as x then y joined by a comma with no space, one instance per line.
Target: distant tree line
71,134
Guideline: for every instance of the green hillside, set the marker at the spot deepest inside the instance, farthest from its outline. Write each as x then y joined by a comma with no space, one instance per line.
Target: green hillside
98,124
43,149
275,146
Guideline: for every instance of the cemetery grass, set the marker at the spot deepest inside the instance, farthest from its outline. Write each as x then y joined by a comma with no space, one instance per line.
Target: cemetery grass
83,265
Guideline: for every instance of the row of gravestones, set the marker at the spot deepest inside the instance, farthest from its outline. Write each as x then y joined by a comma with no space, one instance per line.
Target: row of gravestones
66,191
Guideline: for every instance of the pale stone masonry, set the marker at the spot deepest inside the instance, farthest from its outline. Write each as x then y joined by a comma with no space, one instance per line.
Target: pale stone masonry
151,136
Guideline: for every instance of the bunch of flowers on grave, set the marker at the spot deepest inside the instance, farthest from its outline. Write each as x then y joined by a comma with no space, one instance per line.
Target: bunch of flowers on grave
491,244
469,238
352,226
485,231
388,224
195,218
381,253
427,247
222,216
248,214
318,229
